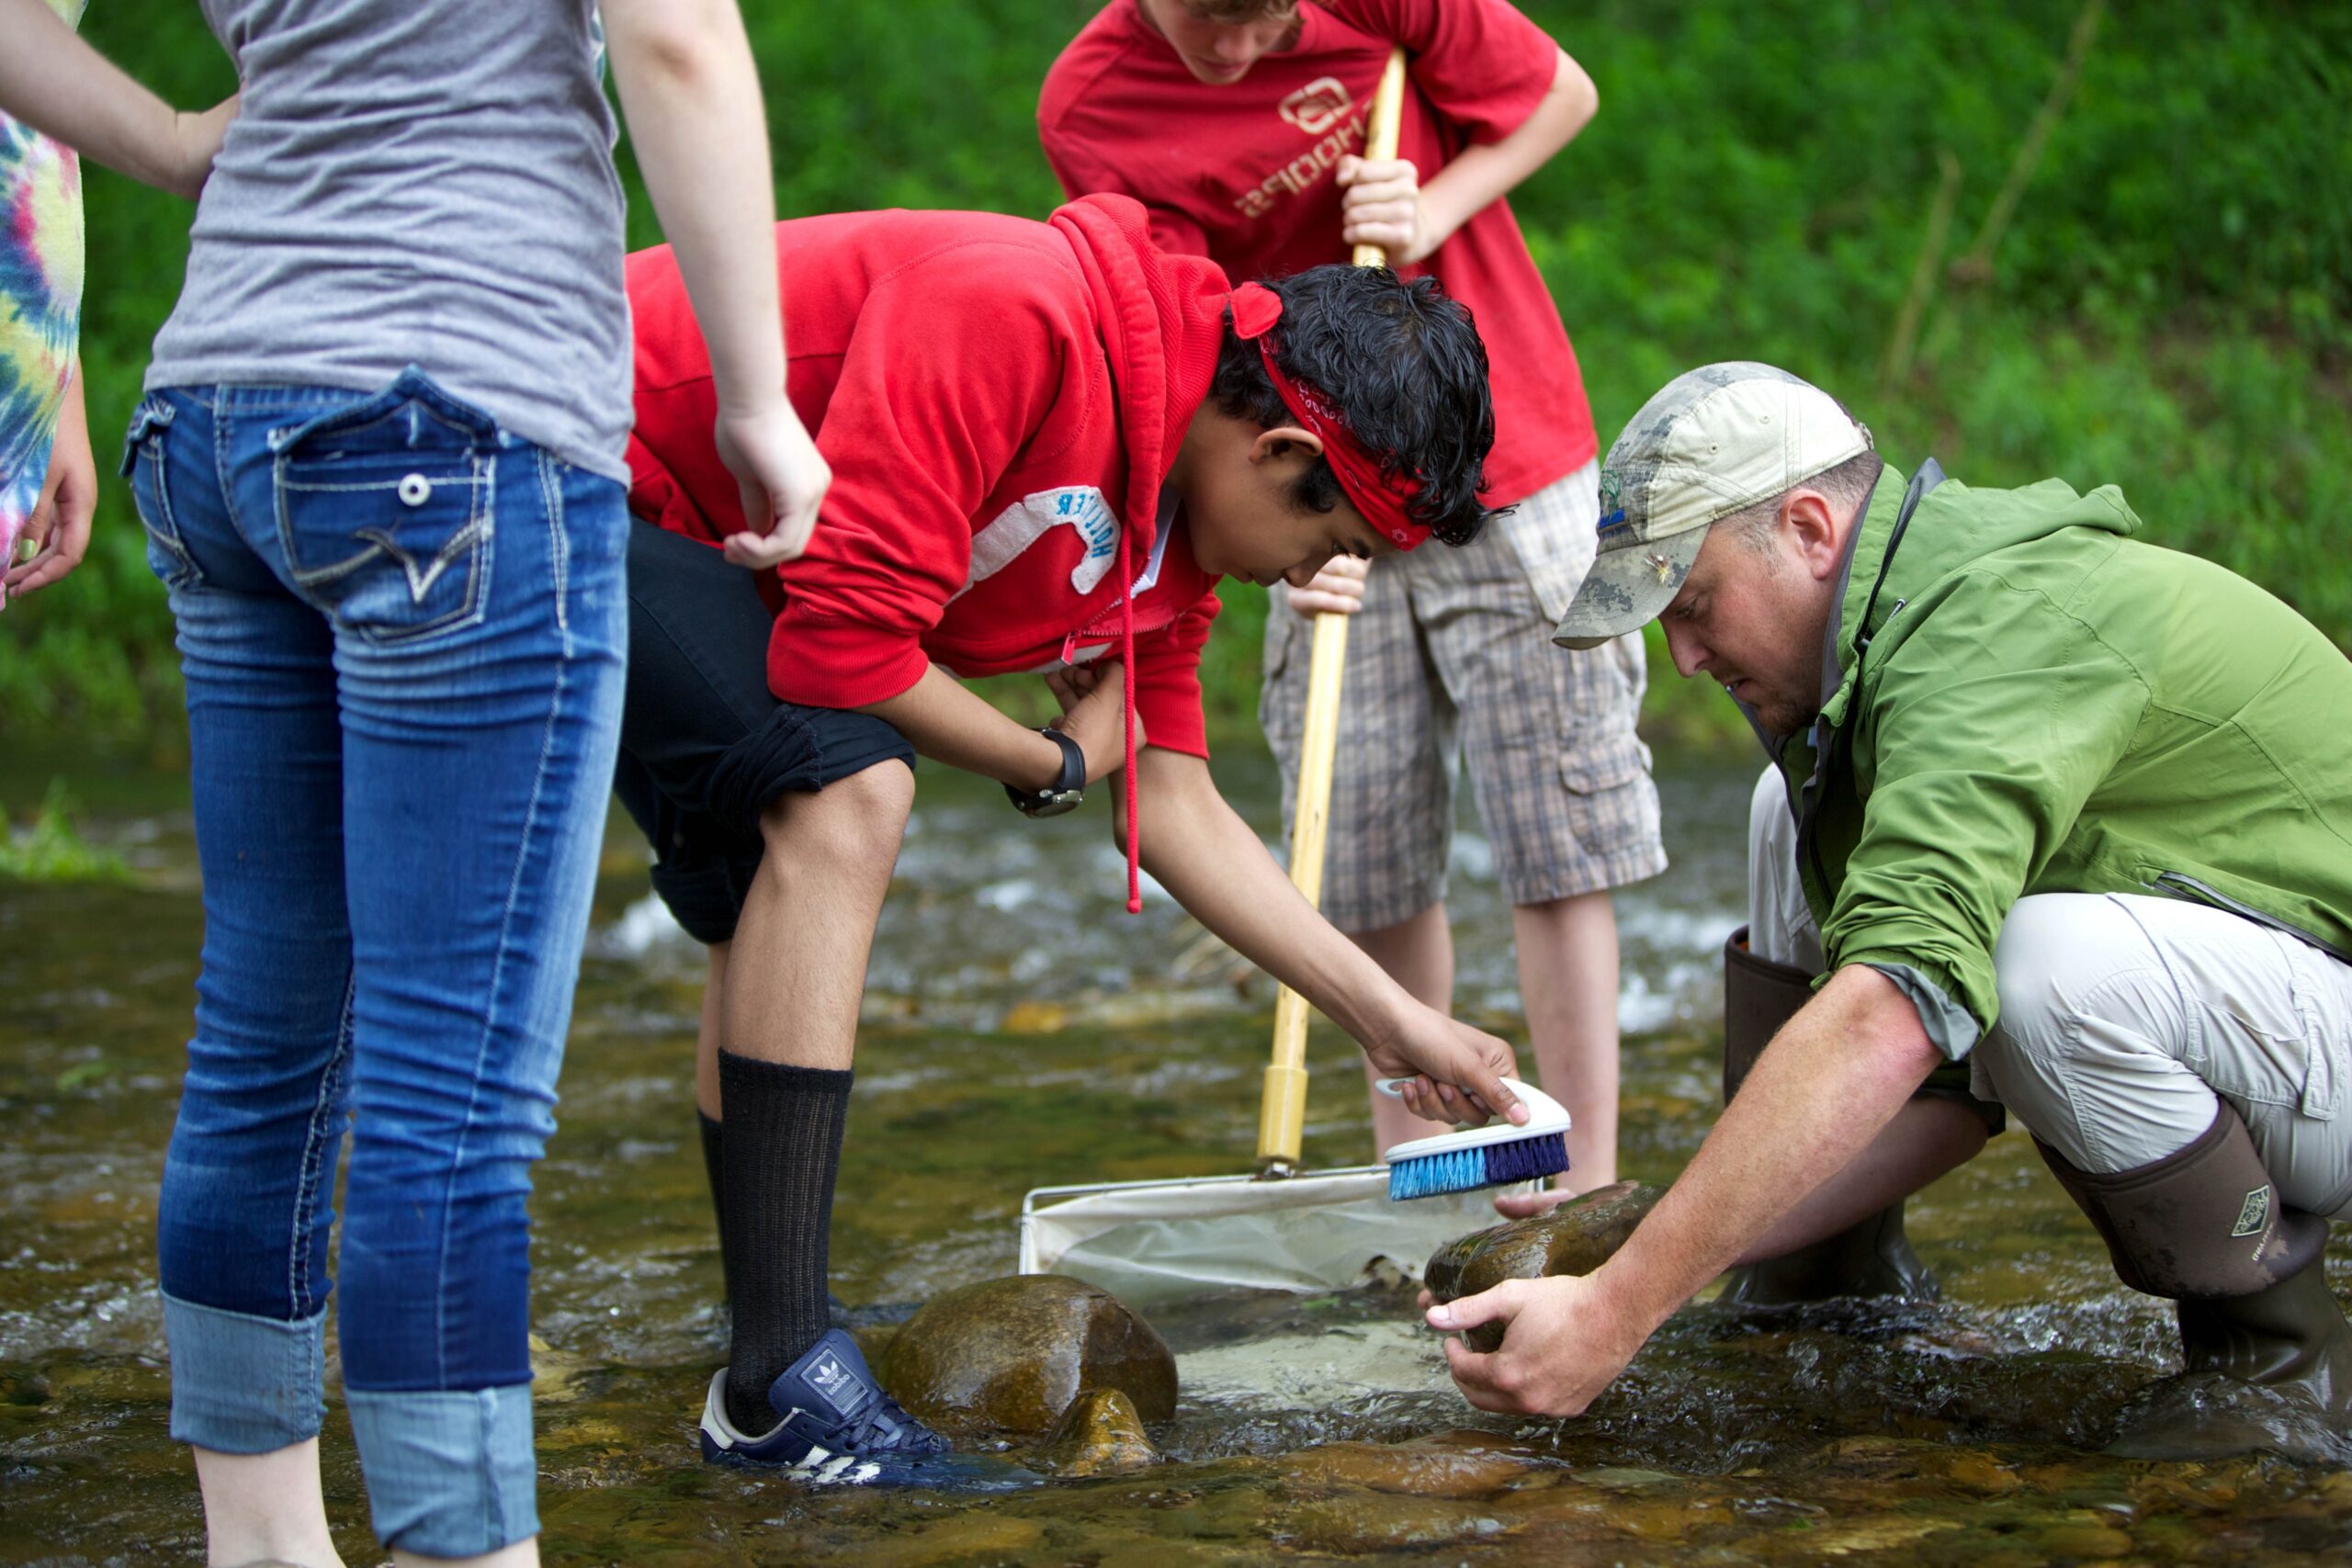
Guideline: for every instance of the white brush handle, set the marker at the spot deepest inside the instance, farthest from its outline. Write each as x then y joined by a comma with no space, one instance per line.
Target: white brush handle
1544,1116
1395,1089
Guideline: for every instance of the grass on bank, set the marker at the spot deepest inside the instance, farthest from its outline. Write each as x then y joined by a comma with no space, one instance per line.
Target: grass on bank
47,847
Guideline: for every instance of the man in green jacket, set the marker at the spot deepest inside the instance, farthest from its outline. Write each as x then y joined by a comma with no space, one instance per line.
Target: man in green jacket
2062,812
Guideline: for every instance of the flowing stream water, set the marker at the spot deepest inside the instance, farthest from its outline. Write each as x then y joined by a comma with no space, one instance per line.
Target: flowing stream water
1021,1031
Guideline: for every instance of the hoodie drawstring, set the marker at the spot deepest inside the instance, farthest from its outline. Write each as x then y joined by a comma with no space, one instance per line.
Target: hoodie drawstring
1127,716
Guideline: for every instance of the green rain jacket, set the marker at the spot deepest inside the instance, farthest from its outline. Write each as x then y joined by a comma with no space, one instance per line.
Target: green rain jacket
2028,700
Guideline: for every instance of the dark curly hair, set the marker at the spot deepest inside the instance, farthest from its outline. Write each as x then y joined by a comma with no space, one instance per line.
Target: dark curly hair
1404,367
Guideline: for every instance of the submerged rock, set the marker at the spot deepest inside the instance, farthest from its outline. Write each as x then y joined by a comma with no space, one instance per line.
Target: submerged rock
1461,1465
1101,1434
1012,1354
1576,1237
988,1537
1354,1525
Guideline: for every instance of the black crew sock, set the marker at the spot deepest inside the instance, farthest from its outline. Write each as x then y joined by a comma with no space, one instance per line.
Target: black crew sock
714,1166
779,1158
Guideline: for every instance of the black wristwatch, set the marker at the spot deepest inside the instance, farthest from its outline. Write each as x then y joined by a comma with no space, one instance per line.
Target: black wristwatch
1063,793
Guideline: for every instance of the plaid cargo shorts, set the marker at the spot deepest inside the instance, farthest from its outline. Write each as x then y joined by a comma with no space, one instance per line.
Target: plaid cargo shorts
1451,657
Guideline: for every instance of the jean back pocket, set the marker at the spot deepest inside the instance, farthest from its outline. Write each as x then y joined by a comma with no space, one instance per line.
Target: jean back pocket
143,464
385,510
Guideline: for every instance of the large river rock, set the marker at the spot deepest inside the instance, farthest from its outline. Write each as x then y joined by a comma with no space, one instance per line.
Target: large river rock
1011,1355
1573,1238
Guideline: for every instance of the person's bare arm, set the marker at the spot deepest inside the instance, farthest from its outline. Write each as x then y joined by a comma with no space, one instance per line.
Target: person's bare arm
1821,1091
1204,853
60,526
59,84
947,721
1388,205
692,97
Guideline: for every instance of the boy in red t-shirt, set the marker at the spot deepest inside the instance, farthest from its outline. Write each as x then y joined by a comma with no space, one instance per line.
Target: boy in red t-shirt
1047,442
1237,124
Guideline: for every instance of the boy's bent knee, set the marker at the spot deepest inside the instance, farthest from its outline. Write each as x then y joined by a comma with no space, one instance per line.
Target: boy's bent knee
852,825
882,795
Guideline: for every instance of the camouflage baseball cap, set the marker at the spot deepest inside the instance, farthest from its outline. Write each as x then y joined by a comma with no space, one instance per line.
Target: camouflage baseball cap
1713,441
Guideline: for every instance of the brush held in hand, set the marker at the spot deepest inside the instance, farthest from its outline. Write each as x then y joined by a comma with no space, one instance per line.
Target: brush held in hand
1495,1156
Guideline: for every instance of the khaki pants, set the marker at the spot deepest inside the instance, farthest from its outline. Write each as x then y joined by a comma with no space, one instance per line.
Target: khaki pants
2123,1018
1451,659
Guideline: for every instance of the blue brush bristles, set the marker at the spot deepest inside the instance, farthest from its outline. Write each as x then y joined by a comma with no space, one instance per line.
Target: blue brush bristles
1488,1165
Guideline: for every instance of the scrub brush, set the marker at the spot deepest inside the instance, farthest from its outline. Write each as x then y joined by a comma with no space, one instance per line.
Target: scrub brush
1481,1156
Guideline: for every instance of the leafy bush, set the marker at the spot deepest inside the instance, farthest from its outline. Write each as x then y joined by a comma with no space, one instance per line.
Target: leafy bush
2169,307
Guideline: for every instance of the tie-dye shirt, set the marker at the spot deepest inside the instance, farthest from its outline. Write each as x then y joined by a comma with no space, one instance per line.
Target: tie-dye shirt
40,305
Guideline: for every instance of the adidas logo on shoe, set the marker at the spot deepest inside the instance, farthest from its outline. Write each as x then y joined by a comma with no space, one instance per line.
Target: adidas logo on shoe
834,1382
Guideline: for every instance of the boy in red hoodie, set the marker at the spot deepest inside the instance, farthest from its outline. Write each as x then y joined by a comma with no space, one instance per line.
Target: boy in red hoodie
1239,124
1047,442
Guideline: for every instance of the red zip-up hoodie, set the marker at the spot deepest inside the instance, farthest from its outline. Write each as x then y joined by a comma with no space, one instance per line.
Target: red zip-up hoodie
1001,401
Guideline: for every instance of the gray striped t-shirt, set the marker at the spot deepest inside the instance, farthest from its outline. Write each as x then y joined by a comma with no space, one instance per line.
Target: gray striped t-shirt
416,182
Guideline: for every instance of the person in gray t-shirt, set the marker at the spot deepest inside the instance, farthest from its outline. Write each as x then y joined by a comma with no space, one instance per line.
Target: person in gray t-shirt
380,468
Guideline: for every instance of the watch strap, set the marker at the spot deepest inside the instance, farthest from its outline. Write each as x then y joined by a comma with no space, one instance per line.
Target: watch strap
1073,777
1065,791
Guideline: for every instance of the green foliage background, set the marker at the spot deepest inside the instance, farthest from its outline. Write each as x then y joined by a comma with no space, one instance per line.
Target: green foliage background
2171,308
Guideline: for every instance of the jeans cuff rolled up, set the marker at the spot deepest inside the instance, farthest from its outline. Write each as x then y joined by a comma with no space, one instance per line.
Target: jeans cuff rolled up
450,1472
244,1384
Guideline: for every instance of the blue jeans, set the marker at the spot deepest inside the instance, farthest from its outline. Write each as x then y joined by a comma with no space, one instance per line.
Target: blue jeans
404,634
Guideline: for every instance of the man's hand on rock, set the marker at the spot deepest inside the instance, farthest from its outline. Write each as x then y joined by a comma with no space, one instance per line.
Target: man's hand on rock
1566,1339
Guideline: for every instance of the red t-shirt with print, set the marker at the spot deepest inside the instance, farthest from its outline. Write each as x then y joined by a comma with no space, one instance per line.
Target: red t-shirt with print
1244,173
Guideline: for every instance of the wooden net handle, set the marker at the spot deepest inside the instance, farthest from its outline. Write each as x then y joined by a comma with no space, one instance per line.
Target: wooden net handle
1281,1109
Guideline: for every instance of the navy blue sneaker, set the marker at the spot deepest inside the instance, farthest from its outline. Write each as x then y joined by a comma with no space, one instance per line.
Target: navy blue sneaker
838,1428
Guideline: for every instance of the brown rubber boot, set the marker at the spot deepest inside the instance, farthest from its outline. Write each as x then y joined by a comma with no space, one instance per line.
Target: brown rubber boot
1759,996
1871,1258
2266,1353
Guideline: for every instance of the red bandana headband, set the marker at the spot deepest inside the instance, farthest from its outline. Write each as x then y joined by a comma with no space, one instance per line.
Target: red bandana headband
1380,496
